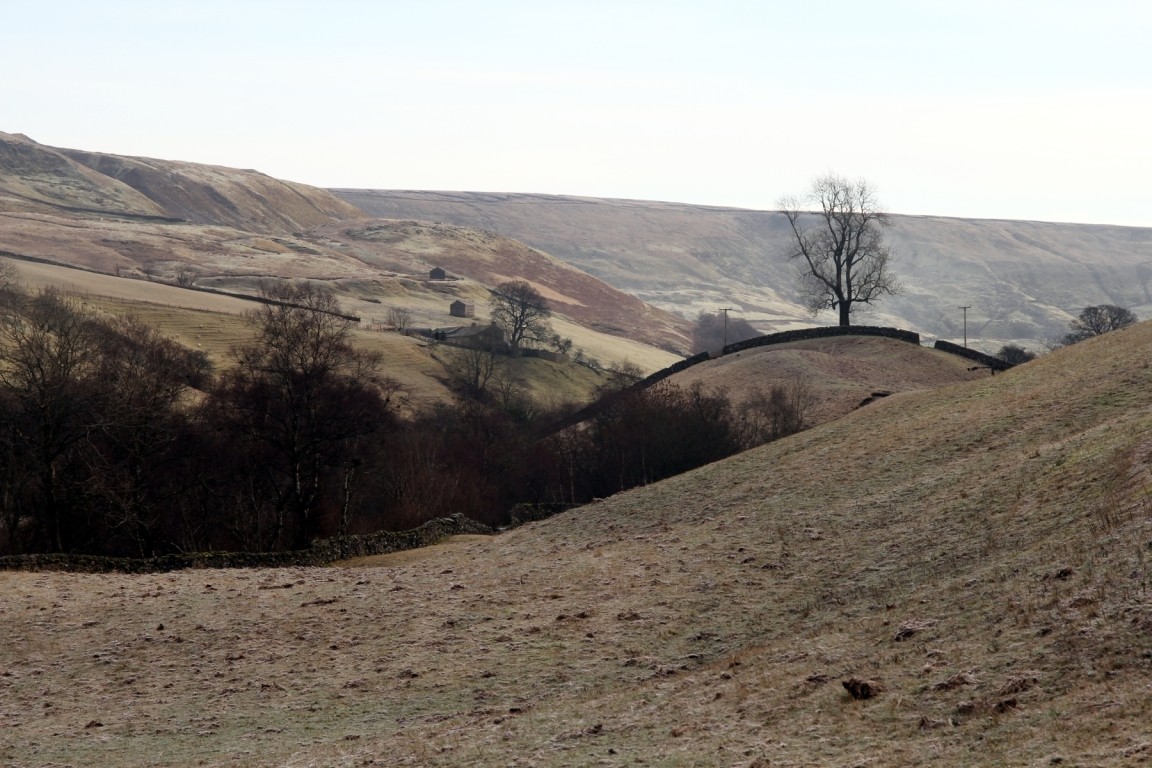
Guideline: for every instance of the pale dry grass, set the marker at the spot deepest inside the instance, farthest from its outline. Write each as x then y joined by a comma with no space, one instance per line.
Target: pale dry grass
215,324
980,551
840,372
1022,277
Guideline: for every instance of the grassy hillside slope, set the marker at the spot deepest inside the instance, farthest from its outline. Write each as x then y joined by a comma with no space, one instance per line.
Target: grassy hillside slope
1023,280
981,553
840,373
213,323
169,221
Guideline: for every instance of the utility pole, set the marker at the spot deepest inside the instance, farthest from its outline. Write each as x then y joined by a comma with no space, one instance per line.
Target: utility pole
726,310
965,324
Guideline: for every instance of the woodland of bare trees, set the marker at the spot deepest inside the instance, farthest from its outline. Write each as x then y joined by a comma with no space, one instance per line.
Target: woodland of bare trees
115,440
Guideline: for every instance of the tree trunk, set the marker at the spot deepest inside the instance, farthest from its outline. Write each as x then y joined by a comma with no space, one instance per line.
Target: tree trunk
845,309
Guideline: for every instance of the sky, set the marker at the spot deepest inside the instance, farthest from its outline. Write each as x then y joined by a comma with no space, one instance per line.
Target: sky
1000,109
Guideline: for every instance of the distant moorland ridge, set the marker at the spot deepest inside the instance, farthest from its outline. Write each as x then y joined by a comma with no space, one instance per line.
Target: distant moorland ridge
226,228
1023,280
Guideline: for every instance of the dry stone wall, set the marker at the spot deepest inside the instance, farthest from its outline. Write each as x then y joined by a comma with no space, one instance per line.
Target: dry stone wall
986,361
823,332
322,552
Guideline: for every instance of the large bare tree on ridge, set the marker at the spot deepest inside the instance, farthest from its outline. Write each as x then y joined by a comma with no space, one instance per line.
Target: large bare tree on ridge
838,239
521,312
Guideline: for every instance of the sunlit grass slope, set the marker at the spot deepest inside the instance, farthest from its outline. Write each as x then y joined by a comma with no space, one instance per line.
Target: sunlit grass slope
980,553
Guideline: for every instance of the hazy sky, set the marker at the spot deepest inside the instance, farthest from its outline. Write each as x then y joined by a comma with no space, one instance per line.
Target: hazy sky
1022,110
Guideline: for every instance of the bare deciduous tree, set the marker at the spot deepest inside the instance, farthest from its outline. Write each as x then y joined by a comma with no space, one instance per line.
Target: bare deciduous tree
712,332
844,260
301,397
49,364
399,318
472,367
521,312
1098,320
781,411
186,277
8,278
1015,354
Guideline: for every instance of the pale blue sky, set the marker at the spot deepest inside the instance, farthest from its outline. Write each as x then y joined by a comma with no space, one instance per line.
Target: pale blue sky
1021,110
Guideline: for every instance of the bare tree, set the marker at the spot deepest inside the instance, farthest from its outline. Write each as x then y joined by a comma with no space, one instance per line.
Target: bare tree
399,318
472,367
521,312
49,365
781,411
299,400
844,260
712,332
1015,354
186,277
1098,320
9,280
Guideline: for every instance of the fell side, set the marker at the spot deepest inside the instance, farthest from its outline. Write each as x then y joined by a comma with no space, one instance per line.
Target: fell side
978,555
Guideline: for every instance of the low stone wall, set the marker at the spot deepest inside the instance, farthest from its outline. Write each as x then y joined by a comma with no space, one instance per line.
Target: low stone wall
823,332
664,373
322,552
986,361
544,354
522,514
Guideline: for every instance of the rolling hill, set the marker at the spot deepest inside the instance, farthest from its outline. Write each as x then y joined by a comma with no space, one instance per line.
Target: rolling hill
971,556
840,373
226,229
976,557
1023,280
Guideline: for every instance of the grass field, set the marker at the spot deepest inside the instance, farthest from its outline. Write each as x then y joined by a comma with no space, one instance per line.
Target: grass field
215,324
980,553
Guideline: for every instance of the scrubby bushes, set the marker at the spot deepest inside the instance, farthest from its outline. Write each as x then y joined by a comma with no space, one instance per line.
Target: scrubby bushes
1098,320
115,441
642,435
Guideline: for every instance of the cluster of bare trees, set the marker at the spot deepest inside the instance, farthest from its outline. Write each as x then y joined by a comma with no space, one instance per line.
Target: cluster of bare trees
88,425
1098,320
116,440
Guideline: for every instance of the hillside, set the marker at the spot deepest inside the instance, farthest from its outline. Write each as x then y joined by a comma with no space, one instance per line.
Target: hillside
979,553
1023,280
208,226
840,373
39,179
212,322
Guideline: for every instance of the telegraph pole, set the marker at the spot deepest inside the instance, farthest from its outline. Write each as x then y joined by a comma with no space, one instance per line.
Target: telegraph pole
965,309
726,310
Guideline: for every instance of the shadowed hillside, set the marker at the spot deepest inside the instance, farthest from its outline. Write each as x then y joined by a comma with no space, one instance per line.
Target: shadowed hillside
40,179
205,194
976,557
1023,280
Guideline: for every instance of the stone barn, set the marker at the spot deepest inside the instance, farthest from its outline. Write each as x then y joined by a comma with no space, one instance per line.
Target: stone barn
437,273
462,309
